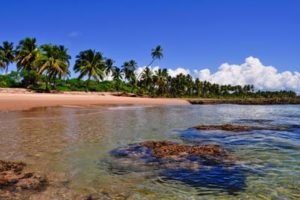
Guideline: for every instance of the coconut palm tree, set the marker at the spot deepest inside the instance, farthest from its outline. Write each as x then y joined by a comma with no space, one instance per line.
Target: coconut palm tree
7,55
91,64
146,78
117,76
26,53
53,61
157,53
128,69
160,79
109,66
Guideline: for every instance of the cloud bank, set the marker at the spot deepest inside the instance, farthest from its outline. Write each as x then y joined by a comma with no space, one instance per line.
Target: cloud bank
252,71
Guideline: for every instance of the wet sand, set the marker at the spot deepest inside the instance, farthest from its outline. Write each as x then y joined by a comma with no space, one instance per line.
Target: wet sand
24,101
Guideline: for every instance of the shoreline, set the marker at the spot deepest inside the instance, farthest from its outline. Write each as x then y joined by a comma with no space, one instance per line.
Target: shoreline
26,101
13,99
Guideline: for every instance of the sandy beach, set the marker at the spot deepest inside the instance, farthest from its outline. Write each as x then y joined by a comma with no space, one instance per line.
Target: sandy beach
23,100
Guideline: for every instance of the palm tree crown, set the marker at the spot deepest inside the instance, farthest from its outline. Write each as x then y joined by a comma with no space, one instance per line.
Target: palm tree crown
54,60
157,53
26,53
129,68
91,64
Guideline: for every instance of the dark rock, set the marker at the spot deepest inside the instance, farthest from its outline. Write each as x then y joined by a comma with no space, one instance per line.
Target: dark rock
199,166
231,179
14,180
226,127
163,149
241,128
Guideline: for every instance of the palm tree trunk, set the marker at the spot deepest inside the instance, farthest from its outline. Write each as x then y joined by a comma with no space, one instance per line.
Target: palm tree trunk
151,63
87,83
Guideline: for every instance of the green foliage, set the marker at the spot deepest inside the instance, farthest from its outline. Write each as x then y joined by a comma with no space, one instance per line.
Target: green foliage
46,67
11,80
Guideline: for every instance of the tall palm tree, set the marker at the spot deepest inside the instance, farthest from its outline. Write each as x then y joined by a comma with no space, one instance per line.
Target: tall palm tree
157,53
146,78
7,55
53,60
26,53
109,66
91,64
117,76
161,80
128,69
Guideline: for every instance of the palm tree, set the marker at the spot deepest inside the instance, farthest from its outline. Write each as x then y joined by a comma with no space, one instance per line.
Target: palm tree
109,66
53,60
7,55
91,64
128,69
146,78
161,79
157,53
26,53
117,76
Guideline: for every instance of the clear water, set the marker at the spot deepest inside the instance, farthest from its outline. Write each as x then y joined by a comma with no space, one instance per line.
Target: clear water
72,146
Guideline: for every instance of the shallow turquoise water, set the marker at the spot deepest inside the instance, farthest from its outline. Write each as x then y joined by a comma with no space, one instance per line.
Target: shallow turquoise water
76,142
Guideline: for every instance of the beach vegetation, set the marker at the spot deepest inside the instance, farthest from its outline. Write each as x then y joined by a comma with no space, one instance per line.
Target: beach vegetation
47,68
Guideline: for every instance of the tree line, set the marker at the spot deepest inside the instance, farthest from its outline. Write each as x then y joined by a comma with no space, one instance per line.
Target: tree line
47,67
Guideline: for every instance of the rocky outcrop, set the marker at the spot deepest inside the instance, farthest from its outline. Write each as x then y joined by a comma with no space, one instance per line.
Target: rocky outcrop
164,149
206,165
227,127
240,128
14,179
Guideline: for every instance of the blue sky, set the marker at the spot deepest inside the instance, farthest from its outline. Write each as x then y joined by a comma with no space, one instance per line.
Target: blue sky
195,34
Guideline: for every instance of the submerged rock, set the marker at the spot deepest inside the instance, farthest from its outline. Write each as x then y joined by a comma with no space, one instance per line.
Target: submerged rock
164,154
226,127
164,149
209,166
230,179
14,180
240,128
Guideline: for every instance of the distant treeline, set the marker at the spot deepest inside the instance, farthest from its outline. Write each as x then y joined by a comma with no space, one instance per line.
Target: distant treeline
47,67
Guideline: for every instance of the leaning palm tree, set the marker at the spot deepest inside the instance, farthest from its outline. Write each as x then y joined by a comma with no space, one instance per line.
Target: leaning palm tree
53,61
7,55
26,53
157,53
91,64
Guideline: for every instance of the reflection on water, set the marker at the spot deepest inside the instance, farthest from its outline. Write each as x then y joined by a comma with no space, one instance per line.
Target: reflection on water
72,146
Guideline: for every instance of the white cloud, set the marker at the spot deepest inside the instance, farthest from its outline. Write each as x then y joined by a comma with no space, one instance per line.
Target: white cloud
251,72
177,71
